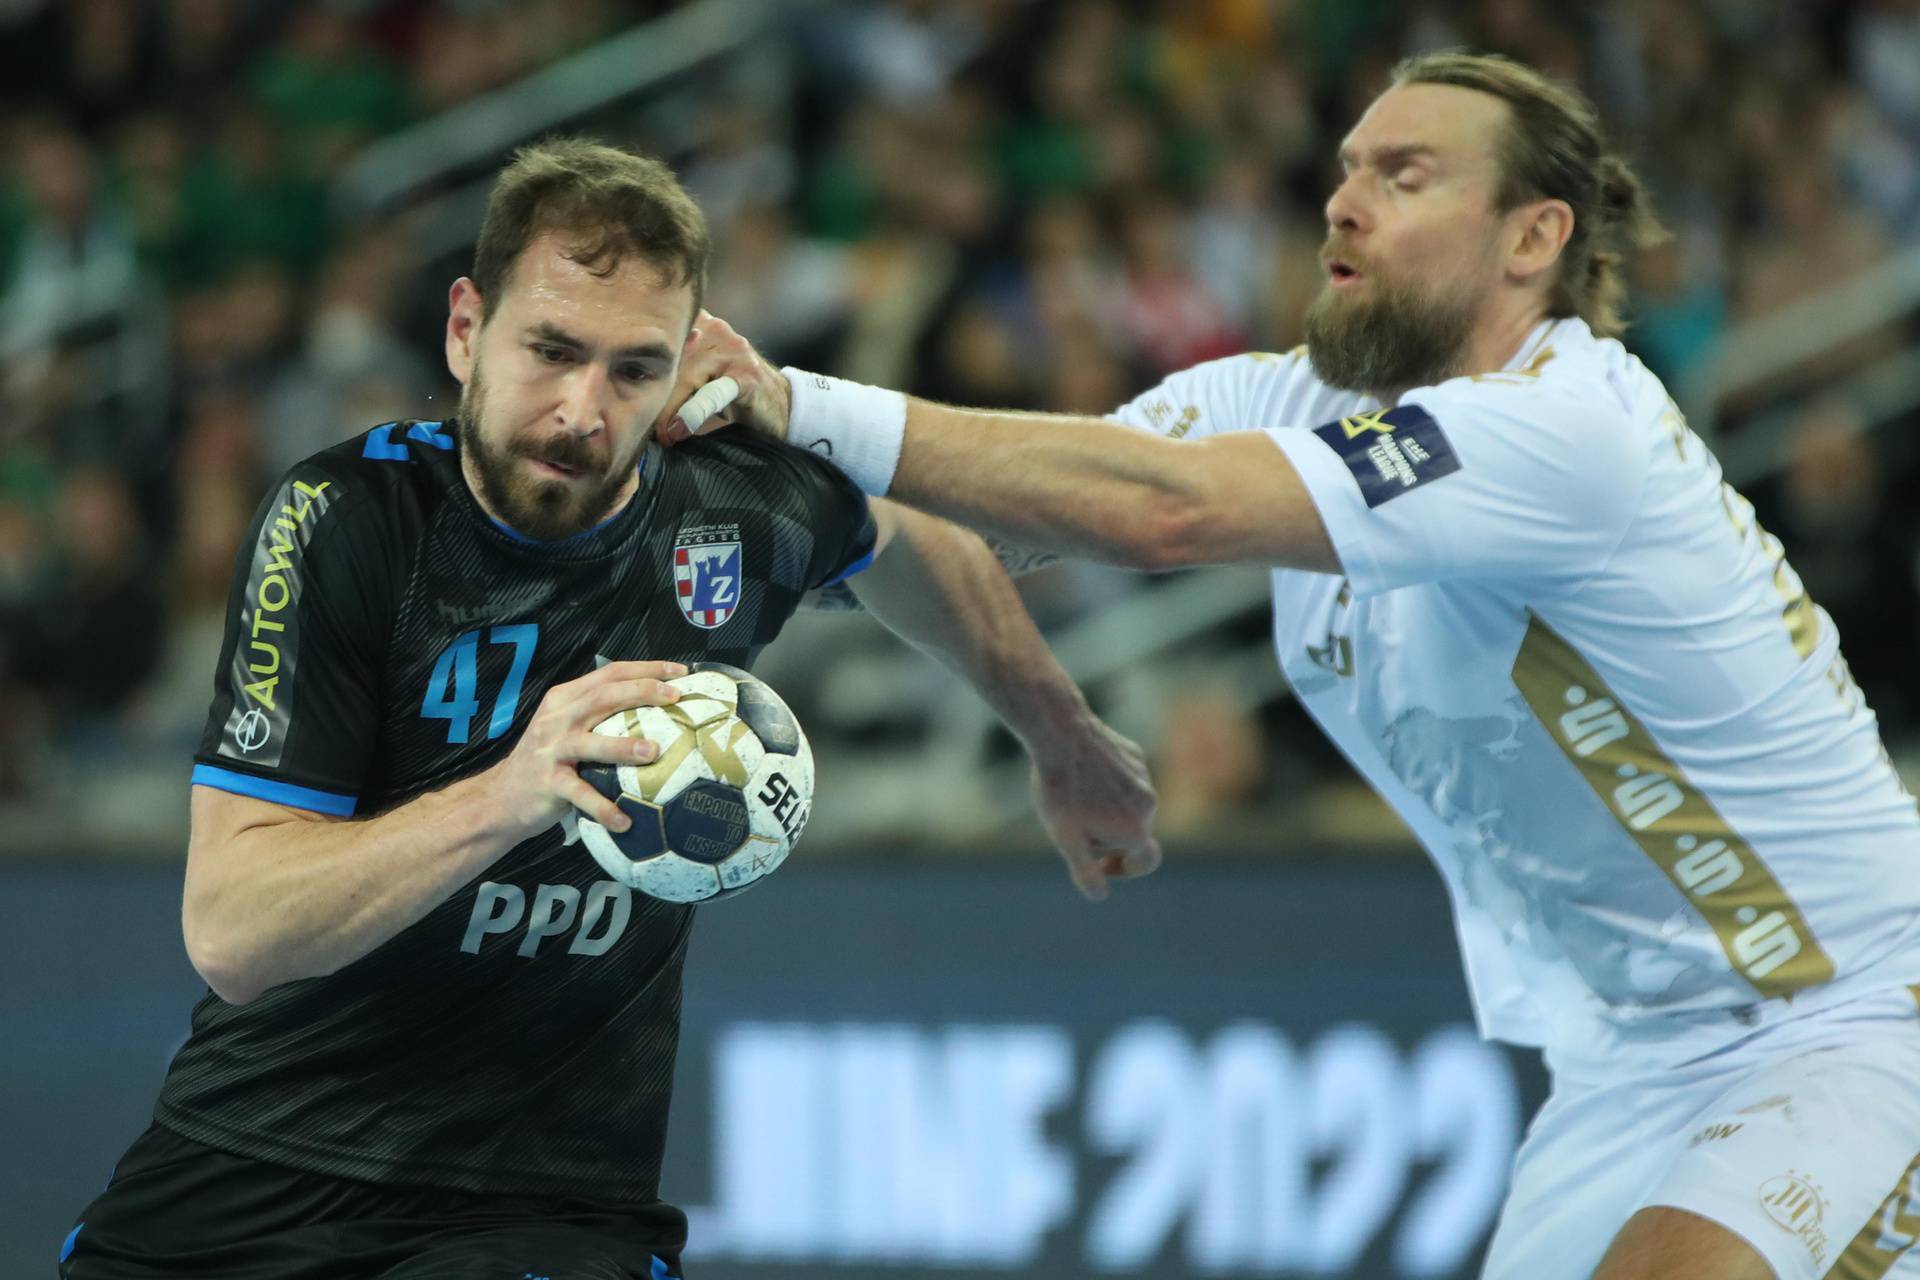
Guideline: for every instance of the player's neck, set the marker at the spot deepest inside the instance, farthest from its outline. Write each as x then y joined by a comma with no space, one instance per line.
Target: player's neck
1496,342
1499,337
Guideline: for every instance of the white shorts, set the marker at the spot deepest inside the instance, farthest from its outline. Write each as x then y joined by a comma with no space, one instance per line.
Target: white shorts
1803,1140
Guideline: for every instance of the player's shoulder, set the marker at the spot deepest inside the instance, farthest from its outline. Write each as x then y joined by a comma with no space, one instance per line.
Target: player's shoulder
1569,395
755,464
370,492
410,457
1567,430
731,447
1251,373
1231,393
392,455
1563,374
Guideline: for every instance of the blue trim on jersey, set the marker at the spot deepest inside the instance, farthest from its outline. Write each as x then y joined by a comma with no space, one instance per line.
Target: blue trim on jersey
297,797
850,570
66,1246
380,445
660,1271
524,540
424,432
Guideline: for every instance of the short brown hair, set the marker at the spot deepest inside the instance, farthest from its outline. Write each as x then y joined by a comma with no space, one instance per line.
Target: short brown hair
608,203
1553,150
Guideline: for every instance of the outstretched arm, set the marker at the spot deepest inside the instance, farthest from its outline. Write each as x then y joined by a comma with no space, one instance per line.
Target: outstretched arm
1089,487
941,589
1075,486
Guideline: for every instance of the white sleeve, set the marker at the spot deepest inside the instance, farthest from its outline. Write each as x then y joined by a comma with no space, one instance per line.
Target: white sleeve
1216,396
1471,481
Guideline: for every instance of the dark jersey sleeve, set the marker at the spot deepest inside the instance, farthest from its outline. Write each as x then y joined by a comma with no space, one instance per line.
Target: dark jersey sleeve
837,512
296,696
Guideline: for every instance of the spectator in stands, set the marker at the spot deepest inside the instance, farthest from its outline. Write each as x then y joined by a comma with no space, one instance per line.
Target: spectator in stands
992,201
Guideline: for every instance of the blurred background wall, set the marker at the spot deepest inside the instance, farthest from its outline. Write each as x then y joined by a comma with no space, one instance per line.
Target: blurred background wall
227,228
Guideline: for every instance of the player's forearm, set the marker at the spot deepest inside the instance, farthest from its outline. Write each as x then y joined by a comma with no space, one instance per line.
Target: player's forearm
1076,486
314,896
941,589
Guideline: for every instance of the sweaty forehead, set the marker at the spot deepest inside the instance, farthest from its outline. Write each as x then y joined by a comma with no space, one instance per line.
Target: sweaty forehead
546,282
1459,126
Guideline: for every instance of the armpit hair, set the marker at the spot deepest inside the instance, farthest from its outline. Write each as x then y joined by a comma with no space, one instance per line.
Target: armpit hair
835,598
1017,560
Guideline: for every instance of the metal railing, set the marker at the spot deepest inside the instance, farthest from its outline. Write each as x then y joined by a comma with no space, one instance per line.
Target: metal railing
1754,354
428,156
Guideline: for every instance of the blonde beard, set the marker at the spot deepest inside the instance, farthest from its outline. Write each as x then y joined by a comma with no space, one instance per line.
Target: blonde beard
1395,340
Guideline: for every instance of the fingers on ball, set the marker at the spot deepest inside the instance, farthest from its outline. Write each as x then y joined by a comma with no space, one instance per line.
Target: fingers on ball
596,806
605,748
642,671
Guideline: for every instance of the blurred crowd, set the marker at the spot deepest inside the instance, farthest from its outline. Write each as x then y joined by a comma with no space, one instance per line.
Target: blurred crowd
1005,202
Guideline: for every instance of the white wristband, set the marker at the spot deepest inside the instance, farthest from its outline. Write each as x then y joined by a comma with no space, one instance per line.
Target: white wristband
856,427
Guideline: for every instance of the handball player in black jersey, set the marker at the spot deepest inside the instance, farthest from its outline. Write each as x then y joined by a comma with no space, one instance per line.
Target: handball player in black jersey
438,1041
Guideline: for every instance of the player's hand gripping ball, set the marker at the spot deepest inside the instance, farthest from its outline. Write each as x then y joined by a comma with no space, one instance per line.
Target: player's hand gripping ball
722,804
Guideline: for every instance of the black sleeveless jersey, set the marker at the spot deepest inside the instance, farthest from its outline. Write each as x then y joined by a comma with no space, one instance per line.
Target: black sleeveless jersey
385,637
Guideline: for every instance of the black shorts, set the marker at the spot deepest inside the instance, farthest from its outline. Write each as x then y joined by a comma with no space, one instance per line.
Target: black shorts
177,1209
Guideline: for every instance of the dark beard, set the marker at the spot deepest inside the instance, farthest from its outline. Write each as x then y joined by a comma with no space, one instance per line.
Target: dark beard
539,509
1390,342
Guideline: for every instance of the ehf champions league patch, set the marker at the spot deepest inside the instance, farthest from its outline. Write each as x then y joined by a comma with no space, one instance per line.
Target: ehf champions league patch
706,573
1391,451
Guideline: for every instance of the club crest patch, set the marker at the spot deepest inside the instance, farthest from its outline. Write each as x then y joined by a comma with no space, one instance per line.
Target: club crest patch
706,573
1391,451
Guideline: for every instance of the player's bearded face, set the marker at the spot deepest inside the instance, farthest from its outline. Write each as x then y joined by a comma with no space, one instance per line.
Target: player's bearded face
1405,330
540,506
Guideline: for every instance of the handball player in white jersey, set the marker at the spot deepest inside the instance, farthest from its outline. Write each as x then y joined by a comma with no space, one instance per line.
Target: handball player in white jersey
1511,585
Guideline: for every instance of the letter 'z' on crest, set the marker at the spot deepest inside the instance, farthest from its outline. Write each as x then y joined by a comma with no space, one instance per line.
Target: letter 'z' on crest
706,580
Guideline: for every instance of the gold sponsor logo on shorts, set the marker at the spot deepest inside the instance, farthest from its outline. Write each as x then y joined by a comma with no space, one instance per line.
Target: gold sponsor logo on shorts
1715,1132
1796,1206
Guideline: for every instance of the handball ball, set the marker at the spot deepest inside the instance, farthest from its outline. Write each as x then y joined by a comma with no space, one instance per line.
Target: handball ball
723,803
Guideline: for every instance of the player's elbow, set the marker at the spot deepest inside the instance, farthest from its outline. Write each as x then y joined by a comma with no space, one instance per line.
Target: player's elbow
1170,530
218,947
218,959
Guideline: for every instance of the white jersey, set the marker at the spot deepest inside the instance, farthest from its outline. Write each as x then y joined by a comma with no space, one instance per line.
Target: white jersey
1569,657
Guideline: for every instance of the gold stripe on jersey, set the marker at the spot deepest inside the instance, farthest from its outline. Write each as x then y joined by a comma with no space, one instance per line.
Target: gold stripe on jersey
1762,932
1889,1233
1803,624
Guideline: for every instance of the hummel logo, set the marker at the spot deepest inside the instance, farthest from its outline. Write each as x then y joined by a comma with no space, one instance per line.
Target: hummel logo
461,615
